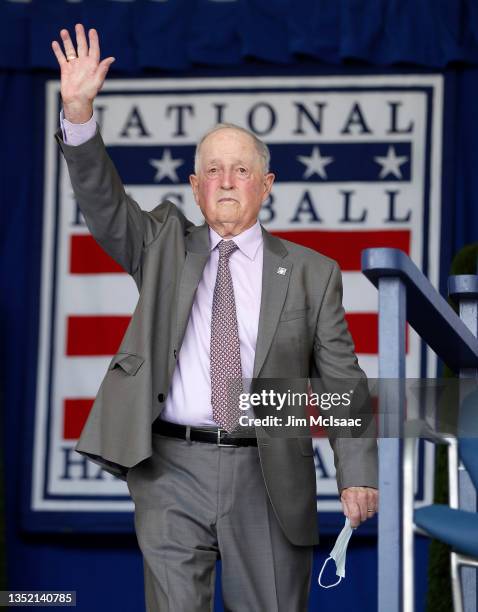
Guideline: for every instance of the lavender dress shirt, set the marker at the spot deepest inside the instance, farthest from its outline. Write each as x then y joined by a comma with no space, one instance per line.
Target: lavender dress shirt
189,398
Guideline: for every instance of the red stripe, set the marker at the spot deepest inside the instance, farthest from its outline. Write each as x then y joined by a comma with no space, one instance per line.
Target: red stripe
95,335
87,257
102,335
364,329
75,413
346,246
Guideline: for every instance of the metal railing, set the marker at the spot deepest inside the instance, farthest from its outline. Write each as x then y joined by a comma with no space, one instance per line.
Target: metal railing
406,295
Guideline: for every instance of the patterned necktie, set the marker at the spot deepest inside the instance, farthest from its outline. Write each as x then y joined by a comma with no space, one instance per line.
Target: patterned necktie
225,354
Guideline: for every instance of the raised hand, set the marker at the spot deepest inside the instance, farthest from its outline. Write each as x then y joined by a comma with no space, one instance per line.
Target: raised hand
82,73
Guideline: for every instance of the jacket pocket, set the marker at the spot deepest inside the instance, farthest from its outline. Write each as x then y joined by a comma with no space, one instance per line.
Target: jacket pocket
128,362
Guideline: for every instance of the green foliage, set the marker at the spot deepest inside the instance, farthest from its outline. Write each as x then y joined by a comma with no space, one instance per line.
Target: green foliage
466,260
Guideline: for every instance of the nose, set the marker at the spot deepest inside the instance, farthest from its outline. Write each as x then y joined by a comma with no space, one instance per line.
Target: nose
227,179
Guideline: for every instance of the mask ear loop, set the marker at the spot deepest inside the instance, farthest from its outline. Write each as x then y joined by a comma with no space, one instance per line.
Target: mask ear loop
327,586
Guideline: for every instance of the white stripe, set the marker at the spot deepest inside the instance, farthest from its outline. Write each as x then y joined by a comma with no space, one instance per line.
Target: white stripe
100,294
369,364
81,376
359,293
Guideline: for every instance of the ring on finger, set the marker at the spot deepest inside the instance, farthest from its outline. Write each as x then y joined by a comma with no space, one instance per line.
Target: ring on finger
71,56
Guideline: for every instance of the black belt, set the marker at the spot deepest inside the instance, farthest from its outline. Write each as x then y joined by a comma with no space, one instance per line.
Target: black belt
213,436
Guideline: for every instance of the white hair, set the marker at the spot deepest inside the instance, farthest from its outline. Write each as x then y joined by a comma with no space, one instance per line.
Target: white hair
261,147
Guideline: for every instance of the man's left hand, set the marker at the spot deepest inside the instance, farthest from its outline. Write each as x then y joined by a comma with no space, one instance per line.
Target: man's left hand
359,504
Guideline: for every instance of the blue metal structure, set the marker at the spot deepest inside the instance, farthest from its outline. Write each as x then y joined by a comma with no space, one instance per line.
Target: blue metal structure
405,294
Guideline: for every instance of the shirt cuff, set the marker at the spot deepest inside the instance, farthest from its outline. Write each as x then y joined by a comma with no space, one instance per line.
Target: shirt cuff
76,134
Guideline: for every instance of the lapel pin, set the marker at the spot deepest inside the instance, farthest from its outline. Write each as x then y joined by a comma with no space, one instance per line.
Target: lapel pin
281,271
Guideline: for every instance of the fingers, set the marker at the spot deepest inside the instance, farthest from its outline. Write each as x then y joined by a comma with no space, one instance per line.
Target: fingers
94,45
92,52
67,44
372,502
58,53
346,511
353,513
360,503
103,68
81,40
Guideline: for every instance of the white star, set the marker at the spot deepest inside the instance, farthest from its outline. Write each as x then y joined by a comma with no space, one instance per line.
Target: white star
166,167
315,163
391,163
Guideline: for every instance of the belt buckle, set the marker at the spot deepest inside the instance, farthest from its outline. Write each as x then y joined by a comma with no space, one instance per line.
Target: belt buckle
218,441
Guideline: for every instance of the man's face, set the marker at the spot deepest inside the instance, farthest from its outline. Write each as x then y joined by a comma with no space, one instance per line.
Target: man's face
230,185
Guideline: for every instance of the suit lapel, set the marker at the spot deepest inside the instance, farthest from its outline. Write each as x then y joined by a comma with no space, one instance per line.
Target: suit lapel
275,283
197,254
276,270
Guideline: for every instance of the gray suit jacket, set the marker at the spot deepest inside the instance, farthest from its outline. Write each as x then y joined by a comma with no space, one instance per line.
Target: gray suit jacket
302,332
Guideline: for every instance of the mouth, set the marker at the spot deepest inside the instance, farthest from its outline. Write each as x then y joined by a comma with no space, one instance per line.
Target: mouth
227,200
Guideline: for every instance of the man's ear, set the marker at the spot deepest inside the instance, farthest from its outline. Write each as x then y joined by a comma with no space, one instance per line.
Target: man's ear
194,181
268,181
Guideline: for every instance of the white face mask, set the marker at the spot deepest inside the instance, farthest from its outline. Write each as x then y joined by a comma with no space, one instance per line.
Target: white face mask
338,554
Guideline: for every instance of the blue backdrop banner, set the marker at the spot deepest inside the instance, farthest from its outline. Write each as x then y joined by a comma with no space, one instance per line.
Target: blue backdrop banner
175,34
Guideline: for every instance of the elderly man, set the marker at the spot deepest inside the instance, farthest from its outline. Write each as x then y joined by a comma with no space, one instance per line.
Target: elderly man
219,302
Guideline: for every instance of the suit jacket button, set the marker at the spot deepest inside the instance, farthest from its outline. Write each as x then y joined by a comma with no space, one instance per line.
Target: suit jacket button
161,398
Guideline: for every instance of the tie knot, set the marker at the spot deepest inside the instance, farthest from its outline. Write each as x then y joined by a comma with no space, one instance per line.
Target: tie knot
226,248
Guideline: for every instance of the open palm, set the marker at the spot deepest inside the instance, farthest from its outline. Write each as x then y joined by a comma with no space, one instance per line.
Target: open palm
82,72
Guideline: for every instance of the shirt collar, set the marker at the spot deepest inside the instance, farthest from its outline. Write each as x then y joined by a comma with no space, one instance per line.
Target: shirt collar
247,241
